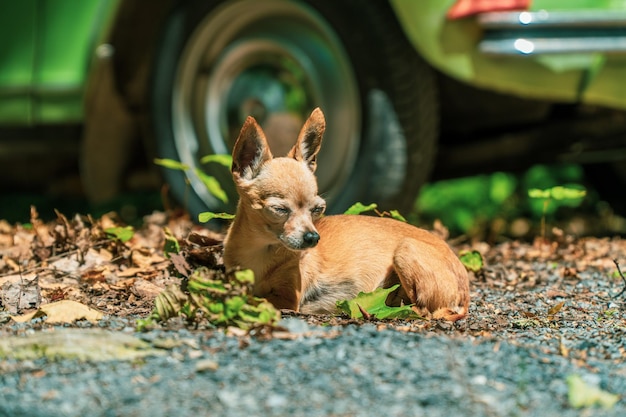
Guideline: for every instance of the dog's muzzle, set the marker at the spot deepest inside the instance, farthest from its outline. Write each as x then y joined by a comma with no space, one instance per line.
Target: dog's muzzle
300,242
310,239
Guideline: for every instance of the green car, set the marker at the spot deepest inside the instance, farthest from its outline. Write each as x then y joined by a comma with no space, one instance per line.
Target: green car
492,85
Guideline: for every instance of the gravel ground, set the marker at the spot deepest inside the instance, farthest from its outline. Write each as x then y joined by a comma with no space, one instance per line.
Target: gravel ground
352,370
541,313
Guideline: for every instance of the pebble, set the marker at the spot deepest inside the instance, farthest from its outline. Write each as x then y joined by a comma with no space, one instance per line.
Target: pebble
204,365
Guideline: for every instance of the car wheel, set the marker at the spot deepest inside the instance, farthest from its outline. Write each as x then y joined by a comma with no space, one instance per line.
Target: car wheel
608,179
220,61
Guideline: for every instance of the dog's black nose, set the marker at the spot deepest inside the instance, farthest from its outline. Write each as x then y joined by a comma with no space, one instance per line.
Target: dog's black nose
311,239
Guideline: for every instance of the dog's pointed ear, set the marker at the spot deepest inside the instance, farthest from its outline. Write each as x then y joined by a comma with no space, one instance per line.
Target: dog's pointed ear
310,140
251,150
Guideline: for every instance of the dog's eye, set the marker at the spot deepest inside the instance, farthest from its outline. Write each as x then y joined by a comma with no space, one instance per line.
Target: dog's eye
280,210
318,210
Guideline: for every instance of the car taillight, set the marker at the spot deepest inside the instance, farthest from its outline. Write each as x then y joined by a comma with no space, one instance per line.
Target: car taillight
464,8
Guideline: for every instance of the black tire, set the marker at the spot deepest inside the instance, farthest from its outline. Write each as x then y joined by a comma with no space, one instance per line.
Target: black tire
348,57
608,179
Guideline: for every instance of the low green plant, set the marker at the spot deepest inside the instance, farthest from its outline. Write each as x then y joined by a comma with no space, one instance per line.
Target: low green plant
210,182
571,196
225,160
207,216
359,208
171,244
467,205
223,299
609,314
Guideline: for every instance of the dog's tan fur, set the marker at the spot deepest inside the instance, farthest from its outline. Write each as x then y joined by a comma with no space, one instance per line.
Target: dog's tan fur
278,221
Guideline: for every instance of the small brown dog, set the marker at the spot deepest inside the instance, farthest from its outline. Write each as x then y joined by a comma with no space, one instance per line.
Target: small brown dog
305,262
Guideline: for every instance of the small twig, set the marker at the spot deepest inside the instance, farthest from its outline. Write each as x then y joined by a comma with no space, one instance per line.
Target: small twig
381,213
623,279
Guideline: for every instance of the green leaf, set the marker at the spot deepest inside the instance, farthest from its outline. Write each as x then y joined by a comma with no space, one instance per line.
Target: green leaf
582,394
171,244
245,276
188,310
217,308
566,193
359,208
222,159
559,193
472,260
208,215
263,313
145,324
168,303
210,182
212,185
171,164
501,187
233,305
537,193
201,282
123,234
374,304
395,214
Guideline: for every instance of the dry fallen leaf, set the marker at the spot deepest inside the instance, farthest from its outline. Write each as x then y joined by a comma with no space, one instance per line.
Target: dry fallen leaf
20,292
93,276
146,289
129,272
143,258
123,285
556,293
95,258
65,311
556,308
181,264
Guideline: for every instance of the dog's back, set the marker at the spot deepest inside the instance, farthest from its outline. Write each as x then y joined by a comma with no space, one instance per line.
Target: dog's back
362,253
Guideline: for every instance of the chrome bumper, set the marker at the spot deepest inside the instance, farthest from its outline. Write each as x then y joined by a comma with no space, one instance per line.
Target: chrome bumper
559,32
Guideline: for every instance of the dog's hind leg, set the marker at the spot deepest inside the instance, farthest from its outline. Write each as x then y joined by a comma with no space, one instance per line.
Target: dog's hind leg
432,281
